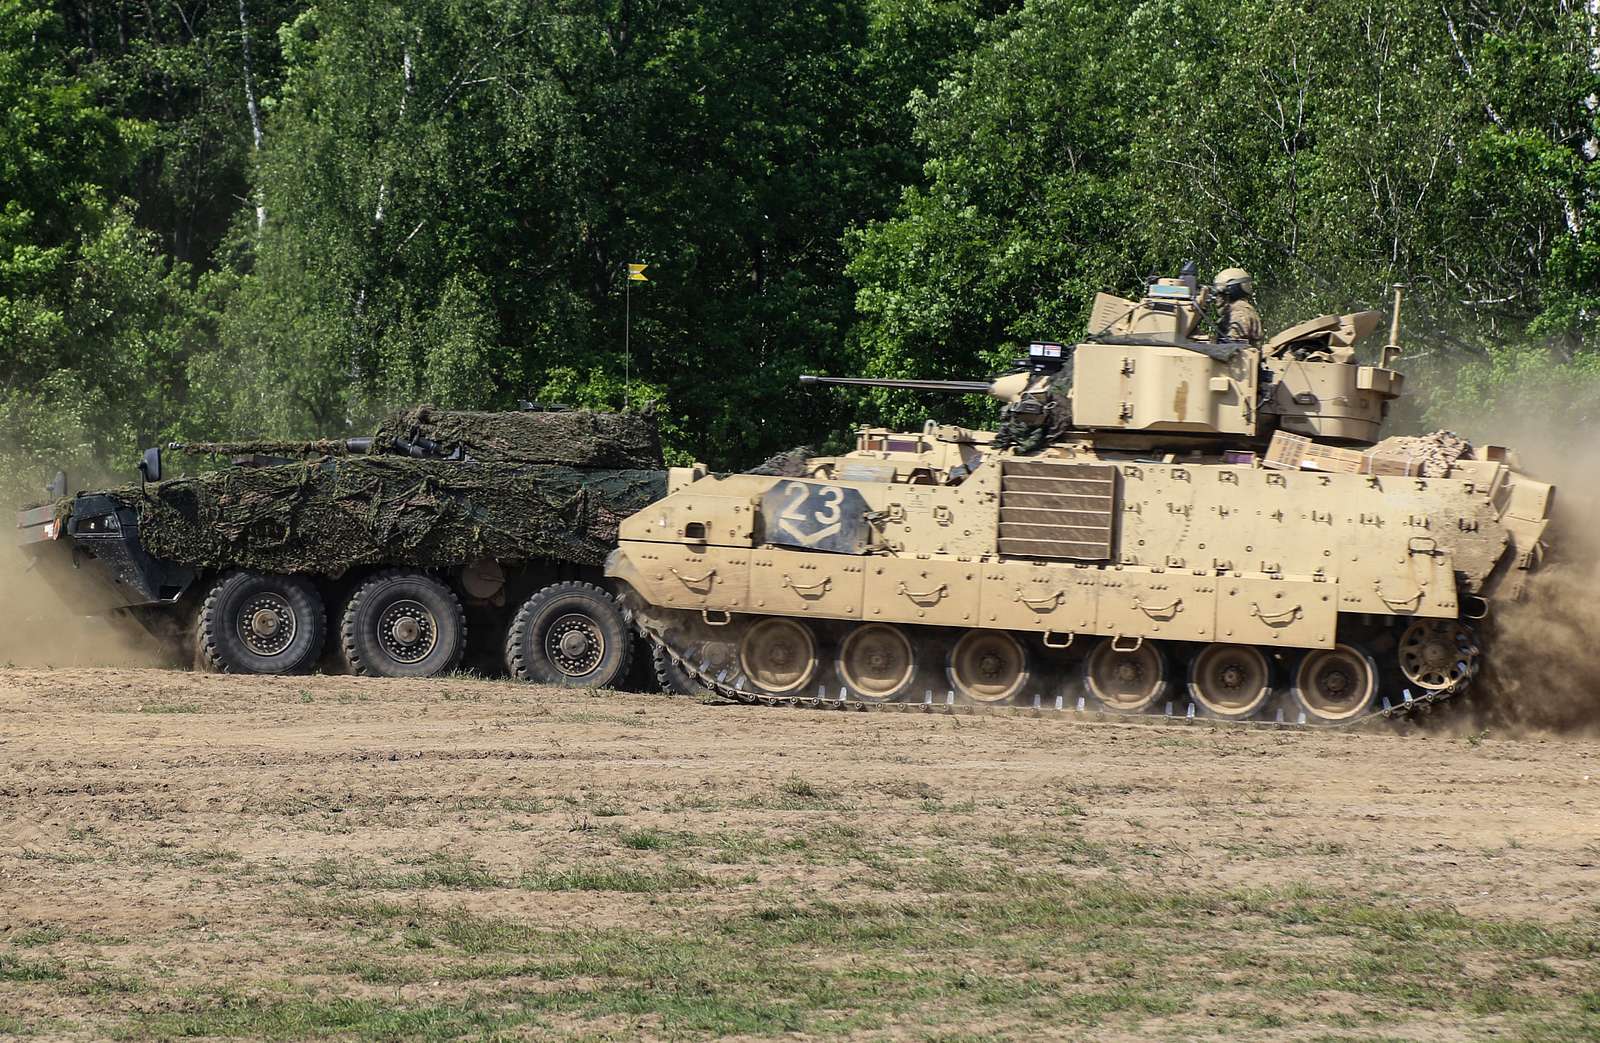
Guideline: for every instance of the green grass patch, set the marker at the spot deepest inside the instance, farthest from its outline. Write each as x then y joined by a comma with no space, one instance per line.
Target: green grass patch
29,937
103,983
437,870
655,839
615,878
18,968
1021,953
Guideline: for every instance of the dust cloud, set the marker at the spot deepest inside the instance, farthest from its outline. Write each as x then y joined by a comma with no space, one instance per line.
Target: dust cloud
1542,653
49,623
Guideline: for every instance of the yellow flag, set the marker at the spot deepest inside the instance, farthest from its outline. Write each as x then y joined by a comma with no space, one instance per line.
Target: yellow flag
636,272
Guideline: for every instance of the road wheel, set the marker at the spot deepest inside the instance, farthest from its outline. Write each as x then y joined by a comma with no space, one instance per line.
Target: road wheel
876,662
1338,684
1230,681
570,634
257,623
1126,681
403,624
779,656
987,666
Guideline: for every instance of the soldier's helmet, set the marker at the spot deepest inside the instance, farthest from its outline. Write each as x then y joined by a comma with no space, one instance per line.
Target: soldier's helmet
1232,283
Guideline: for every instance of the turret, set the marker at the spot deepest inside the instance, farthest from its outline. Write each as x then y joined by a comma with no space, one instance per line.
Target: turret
1145,378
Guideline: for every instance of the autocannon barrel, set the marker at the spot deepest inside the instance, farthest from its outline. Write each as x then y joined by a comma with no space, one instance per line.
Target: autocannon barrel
964,386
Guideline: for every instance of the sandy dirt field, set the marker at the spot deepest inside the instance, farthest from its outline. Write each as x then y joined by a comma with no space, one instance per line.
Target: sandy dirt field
191,855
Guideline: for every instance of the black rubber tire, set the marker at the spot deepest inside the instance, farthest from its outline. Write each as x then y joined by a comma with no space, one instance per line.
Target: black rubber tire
223,648
526,655
671,677
361,642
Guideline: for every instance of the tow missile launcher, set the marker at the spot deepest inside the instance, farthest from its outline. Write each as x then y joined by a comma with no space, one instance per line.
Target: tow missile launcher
1164,523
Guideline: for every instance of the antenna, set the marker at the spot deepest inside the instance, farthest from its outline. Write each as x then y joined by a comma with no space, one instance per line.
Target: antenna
1392,350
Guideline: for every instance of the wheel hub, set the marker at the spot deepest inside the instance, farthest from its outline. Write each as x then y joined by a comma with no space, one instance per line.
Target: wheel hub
778,655
987,666
575,645
266,624
1336,684
875,661
1230,681
1126,681
407,631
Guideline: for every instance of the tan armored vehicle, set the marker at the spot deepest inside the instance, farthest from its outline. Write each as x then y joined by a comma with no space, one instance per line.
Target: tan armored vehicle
1163,524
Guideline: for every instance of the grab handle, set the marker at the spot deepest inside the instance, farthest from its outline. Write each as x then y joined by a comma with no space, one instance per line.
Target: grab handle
1414,600
936,594
1271,618
824,585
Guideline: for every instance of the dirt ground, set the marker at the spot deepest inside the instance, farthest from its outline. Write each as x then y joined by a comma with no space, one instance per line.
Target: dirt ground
191,855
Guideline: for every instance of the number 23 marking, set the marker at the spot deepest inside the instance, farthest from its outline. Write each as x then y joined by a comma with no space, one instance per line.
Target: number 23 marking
833,498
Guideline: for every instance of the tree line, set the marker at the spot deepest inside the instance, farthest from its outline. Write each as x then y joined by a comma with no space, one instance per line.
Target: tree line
280,217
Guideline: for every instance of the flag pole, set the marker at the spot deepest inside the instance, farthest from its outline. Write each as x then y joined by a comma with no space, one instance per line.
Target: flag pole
627,336
633,272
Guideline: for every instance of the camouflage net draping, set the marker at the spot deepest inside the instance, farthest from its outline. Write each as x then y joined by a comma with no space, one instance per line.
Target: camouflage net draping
330,514
582,439
791,463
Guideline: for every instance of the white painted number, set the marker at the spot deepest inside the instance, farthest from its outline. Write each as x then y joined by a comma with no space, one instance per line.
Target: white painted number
791,510
831,515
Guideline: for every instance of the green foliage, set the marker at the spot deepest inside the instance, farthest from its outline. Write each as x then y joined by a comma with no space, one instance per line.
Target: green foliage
1521,394
453,193
92,315
282,218
1332,150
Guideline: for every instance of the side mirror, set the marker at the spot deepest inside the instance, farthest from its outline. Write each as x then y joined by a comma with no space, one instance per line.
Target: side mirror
150,465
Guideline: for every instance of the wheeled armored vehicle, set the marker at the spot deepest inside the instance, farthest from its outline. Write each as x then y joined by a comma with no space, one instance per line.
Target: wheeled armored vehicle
443,538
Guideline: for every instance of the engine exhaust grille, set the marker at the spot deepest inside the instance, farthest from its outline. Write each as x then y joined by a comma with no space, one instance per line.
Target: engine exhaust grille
1057,509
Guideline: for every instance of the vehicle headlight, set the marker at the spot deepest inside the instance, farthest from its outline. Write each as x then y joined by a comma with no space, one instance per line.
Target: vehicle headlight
99,524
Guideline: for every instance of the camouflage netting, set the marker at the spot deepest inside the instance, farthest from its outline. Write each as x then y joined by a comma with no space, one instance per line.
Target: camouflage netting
1429,455
328,515
791,463
582,439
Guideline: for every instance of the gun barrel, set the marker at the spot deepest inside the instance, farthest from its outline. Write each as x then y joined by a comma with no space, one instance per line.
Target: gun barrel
964,386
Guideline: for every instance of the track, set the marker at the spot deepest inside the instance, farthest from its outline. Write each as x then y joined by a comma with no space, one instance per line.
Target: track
727,681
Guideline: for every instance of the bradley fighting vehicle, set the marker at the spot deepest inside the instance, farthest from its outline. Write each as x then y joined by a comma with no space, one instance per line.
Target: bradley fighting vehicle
1184,526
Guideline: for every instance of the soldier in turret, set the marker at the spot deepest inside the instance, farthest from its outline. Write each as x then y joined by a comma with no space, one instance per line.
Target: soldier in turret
1238,319
1042,413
